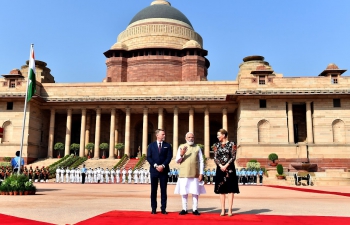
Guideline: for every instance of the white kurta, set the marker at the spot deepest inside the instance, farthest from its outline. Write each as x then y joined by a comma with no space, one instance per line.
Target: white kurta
186,185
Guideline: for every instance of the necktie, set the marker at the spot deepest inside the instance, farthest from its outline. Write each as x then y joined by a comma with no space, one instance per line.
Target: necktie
160,146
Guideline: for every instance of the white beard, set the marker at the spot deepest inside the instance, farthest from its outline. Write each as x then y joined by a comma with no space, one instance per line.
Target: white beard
190,143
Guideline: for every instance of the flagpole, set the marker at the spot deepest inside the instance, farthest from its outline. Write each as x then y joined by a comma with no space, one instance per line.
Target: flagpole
25,110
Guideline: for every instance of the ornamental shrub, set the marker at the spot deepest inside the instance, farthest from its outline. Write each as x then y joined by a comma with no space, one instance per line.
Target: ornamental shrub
273,157
280,169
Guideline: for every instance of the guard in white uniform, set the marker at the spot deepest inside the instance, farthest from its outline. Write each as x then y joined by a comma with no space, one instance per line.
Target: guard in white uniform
58,174
62,175
67,174
107,175
129,175
112,175
117,175
136,176
141,175
123,175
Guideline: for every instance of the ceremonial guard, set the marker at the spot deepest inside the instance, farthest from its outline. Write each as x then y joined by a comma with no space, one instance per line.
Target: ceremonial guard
67,174
107,173
173,176
31,174
142,177
95,175
170,176
255,173
62,175
123,175
98,175
89,173
57,173
208,174
112,175
261,173
243,176
102,175
117,175
136,174
129,175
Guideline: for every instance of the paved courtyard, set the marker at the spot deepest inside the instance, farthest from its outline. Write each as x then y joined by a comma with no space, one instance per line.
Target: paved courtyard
71,203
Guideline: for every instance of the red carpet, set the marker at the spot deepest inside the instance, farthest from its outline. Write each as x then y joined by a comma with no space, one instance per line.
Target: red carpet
5,219
310,190
142,218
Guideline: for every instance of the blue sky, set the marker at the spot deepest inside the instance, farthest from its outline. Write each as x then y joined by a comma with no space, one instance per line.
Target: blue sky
297,38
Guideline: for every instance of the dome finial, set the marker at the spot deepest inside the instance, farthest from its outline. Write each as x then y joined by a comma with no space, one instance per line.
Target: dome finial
161,2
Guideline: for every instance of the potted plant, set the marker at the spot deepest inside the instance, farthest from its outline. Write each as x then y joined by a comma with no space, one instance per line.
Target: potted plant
280,175
119,147
27,187
273,157
59,146
74,147
90,146
104,147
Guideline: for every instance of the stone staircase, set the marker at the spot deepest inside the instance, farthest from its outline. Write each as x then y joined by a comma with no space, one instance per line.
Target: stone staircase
42,162
102,163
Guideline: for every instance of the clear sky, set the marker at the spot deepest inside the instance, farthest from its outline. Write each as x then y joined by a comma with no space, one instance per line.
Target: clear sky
297,38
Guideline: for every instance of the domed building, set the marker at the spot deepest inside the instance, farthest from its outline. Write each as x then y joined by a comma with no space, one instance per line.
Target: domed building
157,78
161,37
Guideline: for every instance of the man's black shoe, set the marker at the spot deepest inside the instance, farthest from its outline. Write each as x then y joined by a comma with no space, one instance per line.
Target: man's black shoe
183,212
153,212
196,213
164,212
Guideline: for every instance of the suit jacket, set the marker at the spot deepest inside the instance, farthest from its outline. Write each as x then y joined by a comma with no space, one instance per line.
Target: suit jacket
160,158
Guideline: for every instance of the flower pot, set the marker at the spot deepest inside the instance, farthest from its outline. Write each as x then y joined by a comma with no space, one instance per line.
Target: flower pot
21,192
26,192
10,193
280,177
58,156
15,192
2,193
273,164
103,157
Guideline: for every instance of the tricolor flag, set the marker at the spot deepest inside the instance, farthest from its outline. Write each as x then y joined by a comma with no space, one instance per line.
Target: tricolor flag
31,75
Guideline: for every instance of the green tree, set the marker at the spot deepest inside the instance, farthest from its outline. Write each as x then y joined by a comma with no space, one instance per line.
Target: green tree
75,147
104,147
59,146
89,147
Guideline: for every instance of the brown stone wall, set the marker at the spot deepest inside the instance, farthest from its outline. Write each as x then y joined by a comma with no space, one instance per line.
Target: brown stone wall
154,68
193,68
116,69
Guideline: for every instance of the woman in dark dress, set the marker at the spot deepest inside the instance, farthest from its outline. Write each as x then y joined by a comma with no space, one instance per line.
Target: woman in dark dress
226,179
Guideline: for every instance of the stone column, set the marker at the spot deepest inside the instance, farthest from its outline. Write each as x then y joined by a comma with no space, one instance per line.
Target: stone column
82,133
190,120
309,132
175,131
206,133
112,135
97,133
290,123
224,119
144,131
160,118
127,131
68,132
51,133
87,130
116,131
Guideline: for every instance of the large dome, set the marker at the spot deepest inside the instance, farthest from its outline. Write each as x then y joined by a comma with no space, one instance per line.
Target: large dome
161,10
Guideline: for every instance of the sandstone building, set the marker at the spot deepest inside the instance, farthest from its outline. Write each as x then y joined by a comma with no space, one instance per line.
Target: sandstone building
157,78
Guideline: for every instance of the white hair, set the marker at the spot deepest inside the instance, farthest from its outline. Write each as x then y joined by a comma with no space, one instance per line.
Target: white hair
188,134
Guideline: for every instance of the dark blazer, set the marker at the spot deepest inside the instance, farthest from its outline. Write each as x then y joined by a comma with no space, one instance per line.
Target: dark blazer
162,158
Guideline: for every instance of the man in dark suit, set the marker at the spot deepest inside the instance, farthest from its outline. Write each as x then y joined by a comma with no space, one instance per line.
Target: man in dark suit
159,155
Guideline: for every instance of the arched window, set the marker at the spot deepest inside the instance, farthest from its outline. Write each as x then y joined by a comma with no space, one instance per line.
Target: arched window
263,131
338,128
8,128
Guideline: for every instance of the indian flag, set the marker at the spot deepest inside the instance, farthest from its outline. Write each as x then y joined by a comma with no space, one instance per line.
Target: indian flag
31,75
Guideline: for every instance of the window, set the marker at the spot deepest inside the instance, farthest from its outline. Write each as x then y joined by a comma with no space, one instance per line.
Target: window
12,83
334,79
336,102
261,80
9,106
262,103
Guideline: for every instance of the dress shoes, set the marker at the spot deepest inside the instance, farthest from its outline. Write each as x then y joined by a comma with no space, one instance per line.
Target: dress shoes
183,212
153,211
164,212
196,213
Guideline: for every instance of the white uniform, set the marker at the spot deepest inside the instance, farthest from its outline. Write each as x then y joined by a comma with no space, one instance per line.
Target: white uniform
142,178
58,174
129,175
136,176
89,175
67,175
117,175
112,175
95,175
102,175
62,175
107,175
98,175
72,174
123,176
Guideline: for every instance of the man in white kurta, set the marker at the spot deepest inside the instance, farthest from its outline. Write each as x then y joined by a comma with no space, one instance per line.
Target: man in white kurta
190,180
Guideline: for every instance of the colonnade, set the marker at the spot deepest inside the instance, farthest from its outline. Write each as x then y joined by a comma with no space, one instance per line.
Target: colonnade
114,129
309,129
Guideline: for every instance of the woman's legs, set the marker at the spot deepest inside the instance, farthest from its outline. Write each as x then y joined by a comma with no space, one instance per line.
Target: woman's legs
230,202
222,200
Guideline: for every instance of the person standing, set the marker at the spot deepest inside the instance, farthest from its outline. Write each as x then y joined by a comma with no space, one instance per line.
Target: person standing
159,155
226,180
112,175
17,162
107,173
190,180
123,176
67,174
83,174
117,176
260,173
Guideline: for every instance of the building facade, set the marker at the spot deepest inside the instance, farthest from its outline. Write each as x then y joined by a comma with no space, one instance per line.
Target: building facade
157,78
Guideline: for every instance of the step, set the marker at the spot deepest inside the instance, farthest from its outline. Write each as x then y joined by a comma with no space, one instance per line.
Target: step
102,163
42,162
